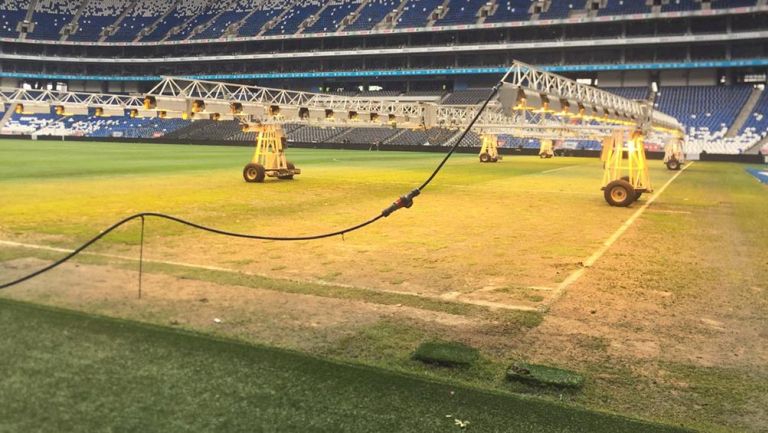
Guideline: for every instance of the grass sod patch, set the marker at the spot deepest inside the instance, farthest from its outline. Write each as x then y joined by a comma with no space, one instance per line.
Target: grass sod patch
446,353
98,374
542,375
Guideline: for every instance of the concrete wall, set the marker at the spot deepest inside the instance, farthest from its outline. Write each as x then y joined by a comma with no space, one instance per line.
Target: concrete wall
609,78
635,79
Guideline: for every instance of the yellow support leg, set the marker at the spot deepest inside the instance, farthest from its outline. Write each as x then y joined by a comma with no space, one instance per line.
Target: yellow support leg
489,150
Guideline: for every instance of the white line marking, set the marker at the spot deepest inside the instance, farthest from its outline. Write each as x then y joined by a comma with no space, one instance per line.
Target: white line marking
492,305
575,275
559,168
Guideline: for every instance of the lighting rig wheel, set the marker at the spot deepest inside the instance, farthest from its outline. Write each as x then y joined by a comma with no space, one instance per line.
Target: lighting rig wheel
637,193
484,157
494,159
619,193
673,164
291,167
254,173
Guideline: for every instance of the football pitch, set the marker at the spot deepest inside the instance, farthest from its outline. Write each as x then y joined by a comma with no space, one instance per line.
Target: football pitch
660,306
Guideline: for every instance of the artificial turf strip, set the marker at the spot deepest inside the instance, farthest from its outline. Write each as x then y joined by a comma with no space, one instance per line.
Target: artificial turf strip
534,374
65,371
446,353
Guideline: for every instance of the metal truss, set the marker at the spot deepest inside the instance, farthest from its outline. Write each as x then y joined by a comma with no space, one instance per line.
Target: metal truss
59,98
190,98
211,91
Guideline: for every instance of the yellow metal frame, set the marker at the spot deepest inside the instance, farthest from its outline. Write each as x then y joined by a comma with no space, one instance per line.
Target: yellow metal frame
623,156
546,148
489,146
269,151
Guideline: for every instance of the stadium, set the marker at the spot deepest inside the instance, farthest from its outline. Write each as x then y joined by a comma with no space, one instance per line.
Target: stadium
572,235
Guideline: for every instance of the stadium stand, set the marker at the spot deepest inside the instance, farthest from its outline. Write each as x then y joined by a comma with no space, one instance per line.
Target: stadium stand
465,97
27,124
511,10
312,134
264,13
757,122
50,16
681,5
623,7
562,9
174,20
293,19
720,4
97,16
183,12
12,12
372,14
332,16
417,13
461,12
141,17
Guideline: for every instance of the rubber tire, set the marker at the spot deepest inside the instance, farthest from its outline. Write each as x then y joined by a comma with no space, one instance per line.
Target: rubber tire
484,157
619,193
673,164
289,166
494,159
637,193
253,173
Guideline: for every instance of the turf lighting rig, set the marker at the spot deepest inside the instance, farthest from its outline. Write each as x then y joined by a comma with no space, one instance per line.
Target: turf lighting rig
622,124
269,156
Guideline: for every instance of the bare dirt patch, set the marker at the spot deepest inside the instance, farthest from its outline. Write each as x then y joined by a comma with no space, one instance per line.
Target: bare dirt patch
298,321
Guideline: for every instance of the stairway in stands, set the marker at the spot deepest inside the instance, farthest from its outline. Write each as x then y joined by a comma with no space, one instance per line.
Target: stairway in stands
745,112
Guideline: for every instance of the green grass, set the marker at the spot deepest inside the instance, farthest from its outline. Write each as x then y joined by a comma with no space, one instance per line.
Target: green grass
544,375
446,353
98,374
506,232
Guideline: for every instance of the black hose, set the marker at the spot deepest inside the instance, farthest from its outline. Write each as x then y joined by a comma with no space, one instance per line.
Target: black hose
404,201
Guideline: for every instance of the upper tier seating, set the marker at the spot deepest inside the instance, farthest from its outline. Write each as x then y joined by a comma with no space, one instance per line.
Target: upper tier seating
51,16
417,12
96,16
621,7
12,12
373,13
265,12
681,5
143,14
720,4
562,9
511,10
172,20
295,17
181,13
461,12
332,17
